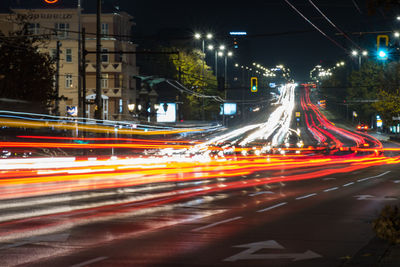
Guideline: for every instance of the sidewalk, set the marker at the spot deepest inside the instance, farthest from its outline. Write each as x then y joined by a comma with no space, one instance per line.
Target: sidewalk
377,253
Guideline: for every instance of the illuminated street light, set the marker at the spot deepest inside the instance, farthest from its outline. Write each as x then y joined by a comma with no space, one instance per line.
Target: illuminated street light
354,53
396,34
365,53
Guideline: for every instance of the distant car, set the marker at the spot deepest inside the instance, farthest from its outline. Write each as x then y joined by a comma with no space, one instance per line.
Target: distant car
362,127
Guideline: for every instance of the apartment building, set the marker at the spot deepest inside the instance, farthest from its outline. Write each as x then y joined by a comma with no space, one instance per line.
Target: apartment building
62,24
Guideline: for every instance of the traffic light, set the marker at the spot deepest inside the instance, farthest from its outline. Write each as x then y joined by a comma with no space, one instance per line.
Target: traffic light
382,48
254,84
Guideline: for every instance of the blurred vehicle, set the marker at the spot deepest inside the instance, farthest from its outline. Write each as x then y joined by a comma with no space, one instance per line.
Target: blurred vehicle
362,127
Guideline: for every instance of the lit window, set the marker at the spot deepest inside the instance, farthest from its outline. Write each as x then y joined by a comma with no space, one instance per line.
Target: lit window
68,80
68,55
104,80
104,57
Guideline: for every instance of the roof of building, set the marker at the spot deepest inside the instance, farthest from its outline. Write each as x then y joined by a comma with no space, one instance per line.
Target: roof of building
88,6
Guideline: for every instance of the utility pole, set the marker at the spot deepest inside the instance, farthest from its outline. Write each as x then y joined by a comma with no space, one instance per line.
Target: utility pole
81,111
83,71
57,107
98,114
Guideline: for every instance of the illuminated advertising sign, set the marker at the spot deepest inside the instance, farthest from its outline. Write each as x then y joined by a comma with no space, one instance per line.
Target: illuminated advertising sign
228,109
166,113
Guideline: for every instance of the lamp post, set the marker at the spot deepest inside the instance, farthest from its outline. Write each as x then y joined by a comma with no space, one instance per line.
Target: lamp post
229,54
203,37
218,52
209,37
359,54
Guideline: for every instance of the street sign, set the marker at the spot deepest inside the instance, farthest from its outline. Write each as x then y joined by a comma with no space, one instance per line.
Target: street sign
72,111
396,118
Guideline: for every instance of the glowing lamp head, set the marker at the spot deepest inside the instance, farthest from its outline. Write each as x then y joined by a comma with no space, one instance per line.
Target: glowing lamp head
51,1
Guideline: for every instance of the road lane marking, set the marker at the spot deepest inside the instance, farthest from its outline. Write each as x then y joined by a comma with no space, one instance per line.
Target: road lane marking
272,207
252,252
348,184
261,192
328,178
217,223
396,181
306,196
376,176
89,262
331,189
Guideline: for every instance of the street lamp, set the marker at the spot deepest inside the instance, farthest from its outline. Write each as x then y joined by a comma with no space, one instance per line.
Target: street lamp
356,53
217,53
203,37
229,54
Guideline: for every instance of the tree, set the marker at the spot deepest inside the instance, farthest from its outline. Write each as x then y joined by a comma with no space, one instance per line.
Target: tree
189,71
25,72
365,85
388,105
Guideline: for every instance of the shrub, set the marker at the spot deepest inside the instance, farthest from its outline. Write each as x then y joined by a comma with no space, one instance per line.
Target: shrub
387,225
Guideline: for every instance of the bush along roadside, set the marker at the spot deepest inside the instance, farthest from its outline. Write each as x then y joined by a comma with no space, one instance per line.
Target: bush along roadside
387,225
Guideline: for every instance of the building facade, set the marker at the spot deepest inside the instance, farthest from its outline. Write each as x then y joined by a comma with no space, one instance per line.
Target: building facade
63,27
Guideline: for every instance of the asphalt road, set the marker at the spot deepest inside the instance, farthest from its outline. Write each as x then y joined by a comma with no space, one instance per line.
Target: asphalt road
318,222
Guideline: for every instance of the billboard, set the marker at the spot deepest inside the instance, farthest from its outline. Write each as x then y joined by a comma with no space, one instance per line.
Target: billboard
228,109
166,112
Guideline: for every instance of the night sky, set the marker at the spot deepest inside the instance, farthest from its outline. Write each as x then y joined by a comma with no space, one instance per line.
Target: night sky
272,18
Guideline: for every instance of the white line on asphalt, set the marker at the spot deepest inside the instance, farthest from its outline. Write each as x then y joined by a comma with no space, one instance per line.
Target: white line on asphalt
272,207
331,189
306,196
376,176
260,193
217,223
348,184
89,262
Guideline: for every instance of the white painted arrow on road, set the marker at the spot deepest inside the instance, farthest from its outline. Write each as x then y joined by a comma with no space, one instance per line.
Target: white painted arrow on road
249,254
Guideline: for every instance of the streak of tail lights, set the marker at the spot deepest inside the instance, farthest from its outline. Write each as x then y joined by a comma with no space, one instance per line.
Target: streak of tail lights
180,161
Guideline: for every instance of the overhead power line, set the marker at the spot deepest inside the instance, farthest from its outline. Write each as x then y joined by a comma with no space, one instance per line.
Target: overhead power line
318,29
333,25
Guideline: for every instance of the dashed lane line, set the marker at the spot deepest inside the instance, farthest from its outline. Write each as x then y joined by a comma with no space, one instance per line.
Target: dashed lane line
89,262
272,207
331,189
348,184
376,176
217,223
306,196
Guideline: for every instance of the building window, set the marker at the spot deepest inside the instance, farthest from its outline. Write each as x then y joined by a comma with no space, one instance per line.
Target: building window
104,81
68,80
33,28
117,81
104,57
121,109
53,53
62,29
68,55
104,29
